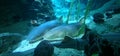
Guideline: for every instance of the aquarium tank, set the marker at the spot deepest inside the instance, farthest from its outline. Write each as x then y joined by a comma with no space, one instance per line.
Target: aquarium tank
59,27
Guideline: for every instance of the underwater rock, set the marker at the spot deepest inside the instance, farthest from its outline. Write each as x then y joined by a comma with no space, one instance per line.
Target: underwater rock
110,24
98,3
99,46
113,11
84,1
20,27
44,9
9,41
25,53
113,22
106,49
112,36
11,11
117,11
44,48
109,15
67,52
14,54
98,18
21,10
102,45
104,6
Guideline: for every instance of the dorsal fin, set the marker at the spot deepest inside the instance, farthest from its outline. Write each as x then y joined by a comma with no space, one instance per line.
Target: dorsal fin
67,39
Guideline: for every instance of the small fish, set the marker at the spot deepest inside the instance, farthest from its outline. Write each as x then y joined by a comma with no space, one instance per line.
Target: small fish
58,33
33,22
43,28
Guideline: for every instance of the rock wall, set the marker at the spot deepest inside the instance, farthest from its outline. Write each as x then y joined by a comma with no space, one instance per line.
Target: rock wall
13,11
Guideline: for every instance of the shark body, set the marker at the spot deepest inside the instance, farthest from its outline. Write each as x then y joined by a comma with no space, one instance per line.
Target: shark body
58,33
43,28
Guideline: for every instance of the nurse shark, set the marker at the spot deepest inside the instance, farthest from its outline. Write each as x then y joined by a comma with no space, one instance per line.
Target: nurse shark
43,28
59,32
